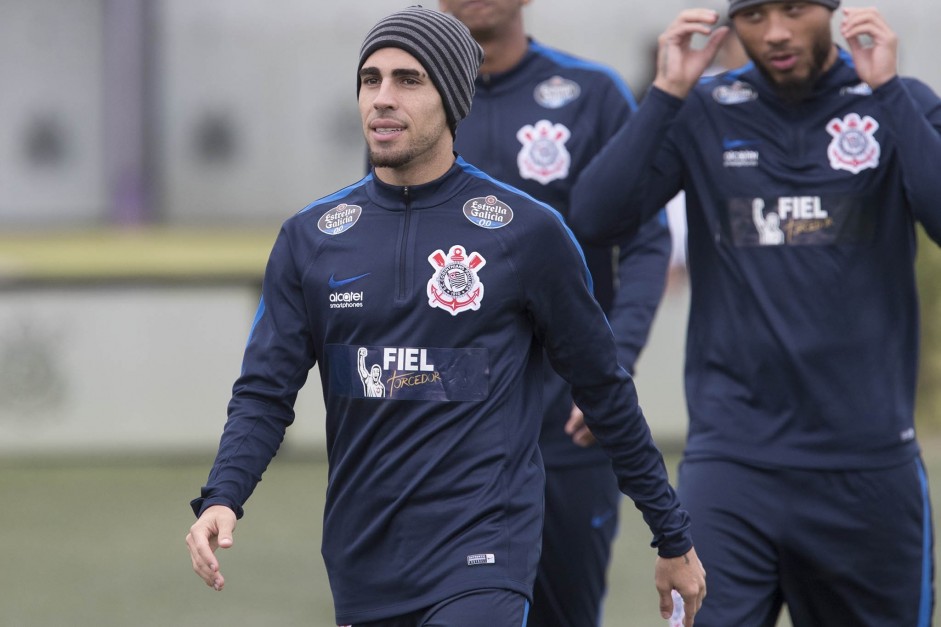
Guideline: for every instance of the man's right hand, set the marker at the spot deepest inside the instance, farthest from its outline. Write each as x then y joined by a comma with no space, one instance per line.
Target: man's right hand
686,575
211,531
679,66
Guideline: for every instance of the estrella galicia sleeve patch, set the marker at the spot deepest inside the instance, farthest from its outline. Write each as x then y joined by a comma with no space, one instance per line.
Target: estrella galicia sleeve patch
801,221
409,373
339,219
737,93
556,92
488,212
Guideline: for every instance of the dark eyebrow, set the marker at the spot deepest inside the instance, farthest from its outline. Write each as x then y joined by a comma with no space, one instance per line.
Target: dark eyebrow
368,71
401,73
373,71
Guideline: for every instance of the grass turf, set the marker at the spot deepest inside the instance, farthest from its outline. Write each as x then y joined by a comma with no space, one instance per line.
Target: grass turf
100,542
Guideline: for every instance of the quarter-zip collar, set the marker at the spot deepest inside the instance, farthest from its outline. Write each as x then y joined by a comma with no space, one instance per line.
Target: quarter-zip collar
431,194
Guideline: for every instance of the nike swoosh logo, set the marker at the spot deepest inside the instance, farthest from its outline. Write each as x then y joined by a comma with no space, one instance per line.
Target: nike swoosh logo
338,283
732,144
597,521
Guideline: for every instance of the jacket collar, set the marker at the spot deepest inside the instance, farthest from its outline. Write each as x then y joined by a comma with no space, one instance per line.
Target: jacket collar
431,194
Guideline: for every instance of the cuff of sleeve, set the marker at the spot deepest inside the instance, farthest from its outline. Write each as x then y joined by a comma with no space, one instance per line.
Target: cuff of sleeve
679,540
675,547
201,504
665,99
889,89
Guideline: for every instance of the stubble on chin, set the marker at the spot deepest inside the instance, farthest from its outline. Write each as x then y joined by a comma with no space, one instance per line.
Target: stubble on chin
793,90
389,159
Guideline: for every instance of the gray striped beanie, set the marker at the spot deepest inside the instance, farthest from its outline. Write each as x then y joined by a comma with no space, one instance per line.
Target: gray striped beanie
737,5
442,44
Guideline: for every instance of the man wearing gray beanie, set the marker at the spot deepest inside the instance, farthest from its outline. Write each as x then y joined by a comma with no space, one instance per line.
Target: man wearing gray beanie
442,44
806,172
427,293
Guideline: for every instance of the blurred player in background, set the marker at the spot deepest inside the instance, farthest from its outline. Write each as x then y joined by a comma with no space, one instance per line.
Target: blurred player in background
539,115
453,284
805,173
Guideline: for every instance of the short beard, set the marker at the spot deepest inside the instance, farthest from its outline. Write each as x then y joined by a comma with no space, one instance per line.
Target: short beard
392,160
417,150
796,91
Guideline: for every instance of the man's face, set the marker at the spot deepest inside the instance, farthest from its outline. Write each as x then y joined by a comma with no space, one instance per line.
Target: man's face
402,112
790,43
484,18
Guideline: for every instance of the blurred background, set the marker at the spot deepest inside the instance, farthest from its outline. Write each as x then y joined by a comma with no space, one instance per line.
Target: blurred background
149,150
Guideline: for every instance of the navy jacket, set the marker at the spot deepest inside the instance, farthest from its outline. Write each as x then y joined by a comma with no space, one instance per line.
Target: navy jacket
428,309
536,127
802,344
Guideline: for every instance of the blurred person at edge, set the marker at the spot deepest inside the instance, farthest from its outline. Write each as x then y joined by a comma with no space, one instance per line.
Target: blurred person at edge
538,117
427,292
805,173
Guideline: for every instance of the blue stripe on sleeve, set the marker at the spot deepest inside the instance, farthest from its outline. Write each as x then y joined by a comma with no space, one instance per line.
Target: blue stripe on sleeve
338,194
258,314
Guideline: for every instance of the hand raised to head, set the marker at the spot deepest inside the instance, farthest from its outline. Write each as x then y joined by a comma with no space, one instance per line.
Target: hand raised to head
679,65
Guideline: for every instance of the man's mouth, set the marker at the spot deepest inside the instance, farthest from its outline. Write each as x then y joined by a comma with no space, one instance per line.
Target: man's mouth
782,62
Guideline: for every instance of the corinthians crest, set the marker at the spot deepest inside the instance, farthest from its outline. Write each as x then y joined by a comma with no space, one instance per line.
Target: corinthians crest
454,286
854,147
543,157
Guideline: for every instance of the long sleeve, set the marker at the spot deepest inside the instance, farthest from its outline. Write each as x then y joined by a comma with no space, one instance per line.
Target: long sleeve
631,178
914,115
278,356
581,348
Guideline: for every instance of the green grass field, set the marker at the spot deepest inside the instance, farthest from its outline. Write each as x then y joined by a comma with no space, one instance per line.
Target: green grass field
99,542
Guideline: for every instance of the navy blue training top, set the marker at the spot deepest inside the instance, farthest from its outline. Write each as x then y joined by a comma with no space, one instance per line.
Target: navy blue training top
536,127
802,345
428,309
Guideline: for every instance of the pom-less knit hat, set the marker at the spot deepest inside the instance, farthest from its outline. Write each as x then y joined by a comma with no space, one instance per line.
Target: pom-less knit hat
442,44
737,5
